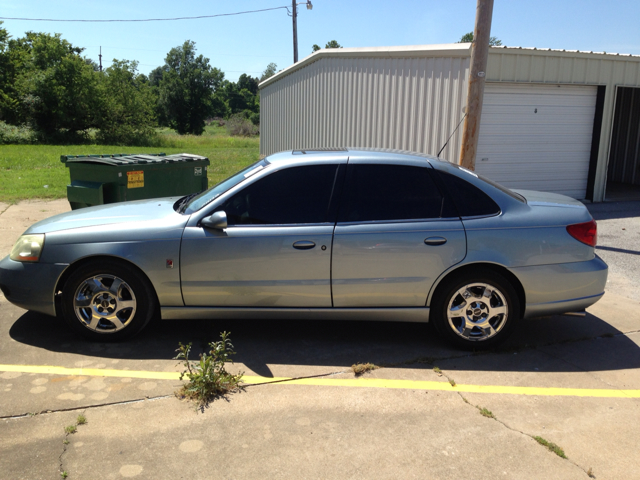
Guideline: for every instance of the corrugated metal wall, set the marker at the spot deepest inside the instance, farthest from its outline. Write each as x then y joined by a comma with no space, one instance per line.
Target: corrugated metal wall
401,103
624,162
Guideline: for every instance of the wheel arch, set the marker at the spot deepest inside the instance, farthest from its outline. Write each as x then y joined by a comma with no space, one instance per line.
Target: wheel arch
472,267
107,258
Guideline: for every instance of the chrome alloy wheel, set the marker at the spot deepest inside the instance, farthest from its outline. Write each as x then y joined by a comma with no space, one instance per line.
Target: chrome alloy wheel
104,303
477,312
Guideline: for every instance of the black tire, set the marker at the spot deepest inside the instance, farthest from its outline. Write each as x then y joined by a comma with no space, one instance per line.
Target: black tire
107,301
480,321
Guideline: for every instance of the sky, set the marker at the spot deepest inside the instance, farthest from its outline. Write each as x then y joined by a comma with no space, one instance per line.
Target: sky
248,43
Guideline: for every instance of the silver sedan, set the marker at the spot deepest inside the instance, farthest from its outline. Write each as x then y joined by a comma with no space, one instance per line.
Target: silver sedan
366,235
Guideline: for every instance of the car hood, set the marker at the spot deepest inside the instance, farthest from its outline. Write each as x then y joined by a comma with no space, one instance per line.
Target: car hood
115,213
546,199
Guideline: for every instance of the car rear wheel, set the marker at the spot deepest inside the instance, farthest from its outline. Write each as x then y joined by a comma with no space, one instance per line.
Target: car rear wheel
107,302
476,310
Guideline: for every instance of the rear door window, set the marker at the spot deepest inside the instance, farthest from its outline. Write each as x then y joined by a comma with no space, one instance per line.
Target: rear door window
388,193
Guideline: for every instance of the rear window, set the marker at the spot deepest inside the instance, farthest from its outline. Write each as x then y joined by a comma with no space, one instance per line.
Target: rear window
468,199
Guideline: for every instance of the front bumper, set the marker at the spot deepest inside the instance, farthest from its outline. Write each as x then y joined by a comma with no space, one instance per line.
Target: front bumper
30,285
564,287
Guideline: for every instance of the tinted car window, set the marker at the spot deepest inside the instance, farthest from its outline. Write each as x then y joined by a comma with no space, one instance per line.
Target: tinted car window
294,195
389,192
469,200
206,197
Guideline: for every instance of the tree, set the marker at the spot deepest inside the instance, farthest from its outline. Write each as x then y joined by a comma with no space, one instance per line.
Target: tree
156,75
6,102
187,89
128,116
468,38
248,82
51,87
330,44
270,71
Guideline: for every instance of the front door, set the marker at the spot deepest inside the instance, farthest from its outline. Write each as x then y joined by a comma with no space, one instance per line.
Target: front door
276,251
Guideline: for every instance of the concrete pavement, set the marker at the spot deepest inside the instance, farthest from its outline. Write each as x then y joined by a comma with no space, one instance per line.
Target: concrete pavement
137,429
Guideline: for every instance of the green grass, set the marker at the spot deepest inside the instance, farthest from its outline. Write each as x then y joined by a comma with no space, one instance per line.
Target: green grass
551,446
26,169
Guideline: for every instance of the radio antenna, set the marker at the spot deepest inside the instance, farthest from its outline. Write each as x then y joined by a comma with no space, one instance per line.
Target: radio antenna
454,131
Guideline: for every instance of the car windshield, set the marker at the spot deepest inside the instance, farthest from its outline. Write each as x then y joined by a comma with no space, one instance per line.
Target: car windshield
206,197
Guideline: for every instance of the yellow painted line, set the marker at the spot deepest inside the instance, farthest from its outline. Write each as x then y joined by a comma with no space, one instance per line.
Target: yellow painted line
340,382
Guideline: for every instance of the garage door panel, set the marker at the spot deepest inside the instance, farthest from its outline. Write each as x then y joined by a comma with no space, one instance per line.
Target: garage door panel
533,101
547,150
545,159
578,118
533,88
559,131
550,110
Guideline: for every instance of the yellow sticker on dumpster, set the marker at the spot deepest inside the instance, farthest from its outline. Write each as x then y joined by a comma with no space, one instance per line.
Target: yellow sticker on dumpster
135,179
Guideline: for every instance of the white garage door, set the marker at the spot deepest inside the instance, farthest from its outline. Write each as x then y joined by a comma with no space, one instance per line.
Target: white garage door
537,137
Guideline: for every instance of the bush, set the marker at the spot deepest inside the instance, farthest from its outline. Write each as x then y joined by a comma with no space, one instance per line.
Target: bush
208,378
240,126
16,135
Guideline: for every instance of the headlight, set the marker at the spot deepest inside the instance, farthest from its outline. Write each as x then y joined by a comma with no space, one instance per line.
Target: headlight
28,248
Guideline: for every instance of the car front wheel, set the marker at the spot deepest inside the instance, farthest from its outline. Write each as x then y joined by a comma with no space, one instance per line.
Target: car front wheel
476,310
107,302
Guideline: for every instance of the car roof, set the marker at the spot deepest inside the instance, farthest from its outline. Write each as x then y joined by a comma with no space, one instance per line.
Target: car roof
369,154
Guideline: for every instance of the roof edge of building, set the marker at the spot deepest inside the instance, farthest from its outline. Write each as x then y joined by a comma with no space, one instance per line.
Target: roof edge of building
436,50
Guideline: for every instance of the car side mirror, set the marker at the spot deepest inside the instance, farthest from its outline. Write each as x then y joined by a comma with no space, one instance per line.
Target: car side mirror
218,220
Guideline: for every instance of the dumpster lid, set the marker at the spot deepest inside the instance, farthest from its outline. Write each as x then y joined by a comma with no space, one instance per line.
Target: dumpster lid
129,159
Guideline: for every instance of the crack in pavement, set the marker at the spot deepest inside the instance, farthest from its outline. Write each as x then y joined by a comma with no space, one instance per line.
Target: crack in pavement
158,397
84,407
589,472
8,206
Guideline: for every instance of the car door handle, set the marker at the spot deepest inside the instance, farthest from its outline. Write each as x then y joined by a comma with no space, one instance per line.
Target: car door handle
435,241
304,244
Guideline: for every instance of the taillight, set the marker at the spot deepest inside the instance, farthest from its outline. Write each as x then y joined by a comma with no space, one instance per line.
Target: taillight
585,232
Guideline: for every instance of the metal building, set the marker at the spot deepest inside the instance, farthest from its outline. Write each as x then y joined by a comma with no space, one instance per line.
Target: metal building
553,120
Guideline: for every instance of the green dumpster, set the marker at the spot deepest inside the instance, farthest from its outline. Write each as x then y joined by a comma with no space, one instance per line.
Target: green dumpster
100,179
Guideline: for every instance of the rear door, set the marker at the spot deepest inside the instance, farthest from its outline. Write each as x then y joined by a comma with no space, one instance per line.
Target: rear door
394,236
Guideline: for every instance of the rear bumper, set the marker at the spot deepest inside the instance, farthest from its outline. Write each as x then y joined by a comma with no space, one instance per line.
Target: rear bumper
565,287
30,285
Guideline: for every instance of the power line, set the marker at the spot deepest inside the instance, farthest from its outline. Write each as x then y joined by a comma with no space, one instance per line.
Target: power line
146,19
164,51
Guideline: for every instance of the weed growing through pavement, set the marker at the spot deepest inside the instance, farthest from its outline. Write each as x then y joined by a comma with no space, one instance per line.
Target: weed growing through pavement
208,377
486,413
70,430
440,373
551,446
362,368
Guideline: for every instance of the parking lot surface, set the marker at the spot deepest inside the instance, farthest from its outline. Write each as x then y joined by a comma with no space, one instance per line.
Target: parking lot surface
429,412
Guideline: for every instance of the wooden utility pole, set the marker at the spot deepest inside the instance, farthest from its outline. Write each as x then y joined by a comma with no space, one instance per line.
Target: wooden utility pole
479,54
295,30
